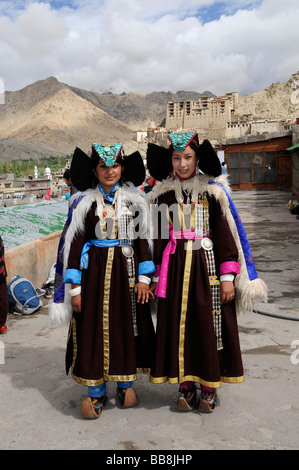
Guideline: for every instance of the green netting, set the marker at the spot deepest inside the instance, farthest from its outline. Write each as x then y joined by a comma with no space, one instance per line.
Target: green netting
24,223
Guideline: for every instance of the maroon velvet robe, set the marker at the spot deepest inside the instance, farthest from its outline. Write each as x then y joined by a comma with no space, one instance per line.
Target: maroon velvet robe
101,343
186,344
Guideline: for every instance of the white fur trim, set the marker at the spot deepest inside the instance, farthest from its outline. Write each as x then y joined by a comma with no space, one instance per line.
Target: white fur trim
249,293
127,191
61,314
246,291
196,185
77,222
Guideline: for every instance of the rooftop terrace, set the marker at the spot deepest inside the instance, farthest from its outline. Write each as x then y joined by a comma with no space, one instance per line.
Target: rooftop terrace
24,223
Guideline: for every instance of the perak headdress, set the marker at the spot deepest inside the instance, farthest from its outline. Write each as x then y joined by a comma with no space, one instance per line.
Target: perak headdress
108,153
159,158
181,140
82,165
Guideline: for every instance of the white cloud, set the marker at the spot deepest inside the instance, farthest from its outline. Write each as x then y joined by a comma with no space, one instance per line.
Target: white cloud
149,45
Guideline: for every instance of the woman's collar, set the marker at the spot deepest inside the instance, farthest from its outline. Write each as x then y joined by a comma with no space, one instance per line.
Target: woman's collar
112,190
183,179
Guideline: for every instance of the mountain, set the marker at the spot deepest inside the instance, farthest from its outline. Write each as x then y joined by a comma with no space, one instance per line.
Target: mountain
51,118
48,118
134,109
279,100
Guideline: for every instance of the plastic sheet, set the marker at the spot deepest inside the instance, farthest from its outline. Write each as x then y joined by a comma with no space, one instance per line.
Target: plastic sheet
25,223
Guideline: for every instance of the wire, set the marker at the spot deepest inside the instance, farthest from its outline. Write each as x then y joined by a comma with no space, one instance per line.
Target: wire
276,316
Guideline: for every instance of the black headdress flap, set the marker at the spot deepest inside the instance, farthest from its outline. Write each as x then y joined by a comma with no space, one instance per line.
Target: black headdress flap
159,161
81,170
208,161
134,171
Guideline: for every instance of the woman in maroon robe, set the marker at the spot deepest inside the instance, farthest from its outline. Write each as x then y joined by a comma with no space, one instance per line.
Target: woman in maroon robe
108,266
197,256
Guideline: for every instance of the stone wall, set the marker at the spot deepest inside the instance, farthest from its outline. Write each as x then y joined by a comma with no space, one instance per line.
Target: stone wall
34,259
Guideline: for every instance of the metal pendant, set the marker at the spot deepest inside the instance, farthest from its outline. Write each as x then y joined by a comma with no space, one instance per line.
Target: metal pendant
207,244
127,251
108,212
187,209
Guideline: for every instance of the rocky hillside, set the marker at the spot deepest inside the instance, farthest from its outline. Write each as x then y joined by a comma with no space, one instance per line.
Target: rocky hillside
136,110
279,100
52,118
48,118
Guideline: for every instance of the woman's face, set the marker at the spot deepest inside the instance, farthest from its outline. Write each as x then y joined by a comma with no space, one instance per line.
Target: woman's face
184,162
108,176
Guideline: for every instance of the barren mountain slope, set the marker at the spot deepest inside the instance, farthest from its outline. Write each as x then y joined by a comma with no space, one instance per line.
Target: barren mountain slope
52,118
58,120
134,109
278,100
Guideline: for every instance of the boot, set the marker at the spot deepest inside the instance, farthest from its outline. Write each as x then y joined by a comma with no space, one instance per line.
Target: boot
92,407
127,397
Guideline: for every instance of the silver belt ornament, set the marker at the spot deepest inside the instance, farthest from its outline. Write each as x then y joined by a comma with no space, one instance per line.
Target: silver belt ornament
128,252
207,245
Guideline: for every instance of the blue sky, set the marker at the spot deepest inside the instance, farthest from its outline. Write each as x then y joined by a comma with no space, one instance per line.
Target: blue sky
214,10
150,45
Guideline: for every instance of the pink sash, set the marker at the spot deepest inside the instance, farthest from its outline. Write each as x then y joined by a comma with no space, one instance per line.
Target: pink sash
170,250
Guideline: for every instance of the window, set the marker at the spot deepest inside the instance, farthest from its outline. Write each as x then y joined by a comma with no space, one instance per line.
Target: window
233,166
252,167
258,175
245,165
245,159
234,176
233,160
270,167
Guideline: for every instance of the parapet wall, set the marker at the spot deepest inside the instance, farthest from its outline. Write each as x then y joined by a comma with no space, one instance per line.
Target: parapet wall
33,260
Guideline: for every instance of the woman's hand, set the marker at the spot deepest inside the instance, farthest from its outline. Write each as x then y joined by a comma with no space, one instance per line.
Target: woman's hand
227,292
153,287
76,303
76,300
143,292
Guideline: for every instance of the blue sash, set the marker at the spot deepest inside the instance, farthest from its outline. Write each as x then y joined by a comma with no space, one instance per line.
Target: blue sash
102,243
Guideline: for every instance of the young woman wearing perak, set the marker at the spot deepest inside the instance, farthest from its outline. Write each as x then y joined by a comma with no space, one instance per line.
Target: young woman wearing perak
106,260
204,275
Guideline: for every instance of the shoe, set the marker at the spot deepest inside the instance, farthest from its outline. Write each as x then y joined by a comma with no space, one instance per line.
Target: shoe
187,398
207,402
40,292
127,397
48,293
3,330
92,407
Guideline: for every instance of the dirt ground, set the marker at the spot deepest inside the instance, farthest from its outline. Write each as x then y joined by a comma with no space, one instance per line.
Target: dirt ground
40,405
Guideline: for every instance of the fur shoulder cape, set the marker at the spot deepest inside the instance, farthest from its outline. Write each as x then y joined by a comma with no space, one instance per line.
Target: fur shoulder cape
249,287
60,310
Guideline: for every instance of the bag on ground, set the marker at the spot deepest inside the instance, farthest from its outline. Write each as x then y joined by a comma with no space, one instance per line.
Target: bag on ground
22,296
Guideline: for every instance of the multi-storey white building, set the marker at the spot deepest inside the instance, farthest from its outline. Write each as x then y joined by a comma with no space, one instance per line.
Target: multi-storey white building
216,118
207,113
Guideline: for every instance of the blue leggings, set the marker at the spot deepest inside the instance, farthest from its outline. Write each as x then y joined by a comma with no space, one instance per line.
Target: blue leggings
99,390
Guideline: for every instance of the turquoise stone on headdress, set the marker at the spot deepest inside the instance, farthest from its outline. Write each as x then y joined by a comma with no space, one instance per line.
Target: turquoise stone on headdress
180,140
108,153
